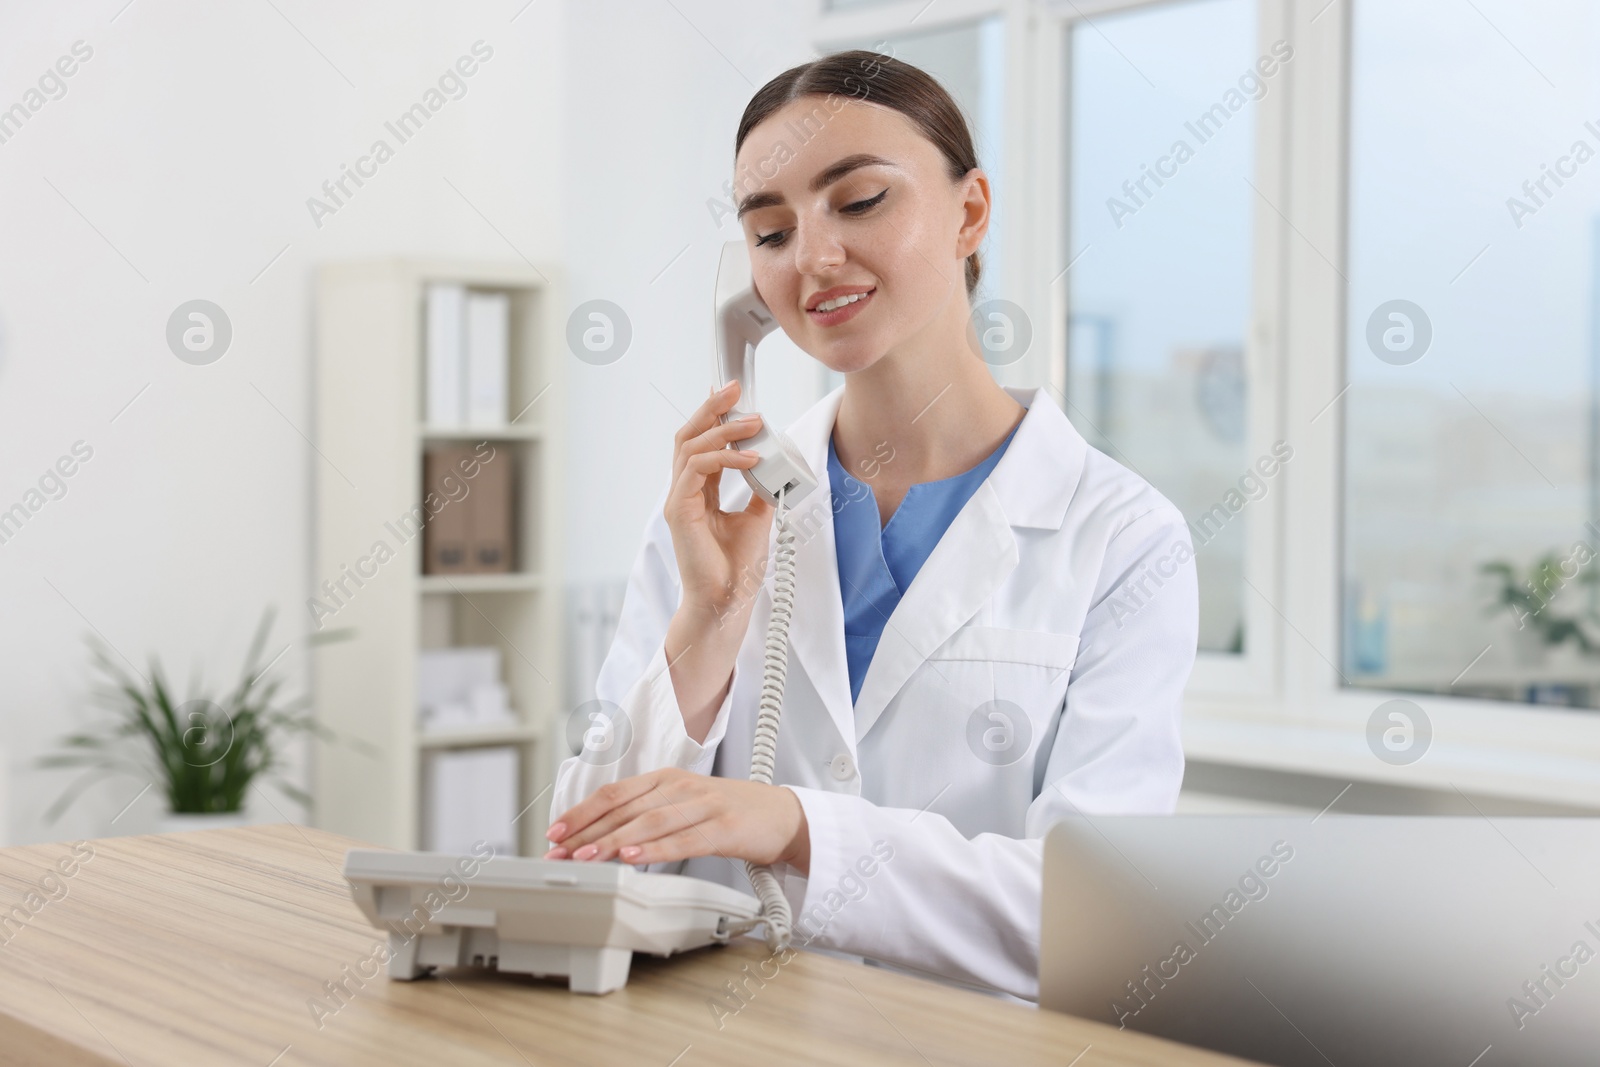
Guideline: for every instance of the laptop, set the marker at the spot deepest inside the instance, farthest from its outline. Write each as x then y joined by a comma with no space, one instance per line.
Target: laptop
1351,940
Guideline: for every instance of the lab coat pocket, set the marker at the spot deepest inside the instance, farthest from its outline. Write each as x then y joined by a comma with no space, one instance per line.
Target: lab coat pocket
992,696
1011,681
997,644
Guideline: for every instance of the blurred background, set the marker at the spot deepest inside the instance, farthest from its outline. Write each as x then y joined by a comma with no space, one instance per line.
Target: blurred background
280,280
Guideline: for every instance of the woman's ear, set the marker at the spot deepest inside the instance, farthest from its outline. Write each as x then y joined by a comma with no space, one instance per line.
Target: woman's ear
976,200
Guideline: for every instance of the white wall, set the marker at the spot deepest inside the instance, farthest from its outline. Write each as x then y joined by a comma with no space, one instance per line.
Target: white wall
189,142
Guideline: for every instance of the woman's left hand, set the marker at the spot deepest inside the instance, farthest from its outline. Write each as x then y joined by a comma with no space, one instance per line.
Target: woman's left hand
673,814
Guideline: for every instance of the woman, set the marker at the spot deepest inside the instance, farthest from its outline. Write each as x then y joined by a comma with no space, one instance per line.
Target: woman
933,728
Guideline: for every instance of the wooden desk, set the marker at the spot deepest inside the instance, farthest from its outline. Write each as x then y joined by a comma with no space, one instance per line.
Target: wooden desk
207,947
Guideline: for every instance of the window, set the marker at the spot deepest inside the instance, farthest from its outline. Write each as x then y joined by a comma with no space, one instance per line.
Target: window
1472,495
1162,150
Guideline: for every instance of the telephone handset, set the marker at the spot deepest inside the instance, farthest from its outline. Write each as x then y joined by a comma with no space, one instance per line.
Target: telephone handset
742,320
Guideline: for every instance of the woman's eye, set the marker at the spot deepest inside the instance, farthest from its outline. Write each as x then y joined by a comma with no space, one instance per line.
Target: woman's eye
865,205
776,238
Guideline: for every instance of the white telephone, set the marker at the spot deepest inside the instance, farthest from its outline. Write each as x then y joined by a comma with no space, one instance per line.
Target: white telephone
584,921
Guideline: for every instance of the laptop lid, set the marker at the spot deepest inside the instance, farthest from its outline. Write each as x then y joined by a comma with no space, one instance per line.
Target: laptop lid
1343,939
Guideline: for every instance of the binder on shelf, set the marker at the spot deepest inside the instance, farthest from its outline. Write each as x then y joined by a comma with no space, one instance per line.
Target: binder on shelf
446,362
487,358
447,532
490,508
470,795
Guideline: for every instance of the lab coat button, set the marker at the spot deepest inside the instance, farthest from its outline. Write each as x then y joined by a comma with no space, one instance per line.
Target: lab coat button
843,766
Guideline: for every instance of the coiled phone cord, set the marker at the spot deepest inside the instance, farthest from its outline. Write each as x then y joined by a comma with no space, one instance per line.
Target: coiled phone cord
774,905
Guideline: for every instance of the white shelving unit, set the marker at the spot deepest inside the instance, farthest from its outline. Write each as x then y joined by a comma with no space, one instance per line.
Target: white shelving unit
371,440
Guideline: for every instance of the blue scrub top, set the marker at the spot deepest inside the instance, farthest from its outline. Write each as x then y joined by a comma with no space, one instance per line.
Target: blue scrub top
876,564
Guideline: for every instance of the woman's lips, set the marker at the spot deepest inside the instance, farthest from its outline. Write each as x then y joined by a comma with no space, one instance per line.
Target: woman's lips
842,314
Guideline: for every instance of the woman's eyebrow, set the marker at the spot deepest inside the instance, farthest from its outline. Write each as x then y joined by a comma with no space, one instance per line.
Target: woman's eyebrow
825,177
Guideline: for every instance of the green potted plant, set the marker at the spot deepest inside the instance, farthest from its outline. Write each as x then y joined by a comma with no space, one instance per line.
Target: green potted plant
204,751
1527,598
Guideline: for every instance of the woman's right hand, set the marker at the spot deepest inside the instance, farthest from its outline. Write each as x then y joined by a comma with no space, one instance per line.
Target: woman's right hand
721,554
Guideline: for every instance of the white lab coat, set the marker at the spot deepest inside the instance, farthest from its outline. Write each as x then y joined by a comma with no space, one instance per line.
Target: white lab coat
1064,586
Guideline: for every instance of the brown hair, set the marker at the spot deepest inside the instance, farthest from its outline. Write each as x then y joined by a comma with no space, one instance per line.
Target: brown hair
879,79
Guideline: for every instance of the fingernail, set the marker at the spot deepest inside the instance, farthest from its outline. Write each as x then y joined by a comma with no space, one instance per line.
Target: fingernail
586,852
727,387
631,851
556,832
748,418
752,453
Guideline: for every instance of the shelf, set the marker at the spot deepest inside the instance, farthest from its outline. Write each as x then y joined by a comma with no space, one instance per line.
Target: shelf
467,736
507,432
371,330
478,583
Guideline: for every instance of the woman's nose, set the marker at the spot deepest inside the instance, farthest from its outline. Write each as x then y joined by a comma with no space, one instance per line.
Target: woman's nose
817,249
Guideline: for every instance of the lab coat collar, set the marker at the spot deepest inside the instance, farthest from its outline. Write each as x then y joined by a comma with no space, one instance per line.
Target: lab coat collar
1031,485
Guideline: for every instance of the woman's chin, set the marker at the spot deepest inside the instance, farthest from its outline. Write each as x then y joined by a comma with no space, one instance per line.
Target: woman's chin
849,358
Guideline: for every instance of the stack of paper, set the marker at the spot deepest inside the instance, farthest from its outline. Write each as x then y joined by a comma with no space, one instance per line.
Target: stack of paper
468,356
470,795
460,688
